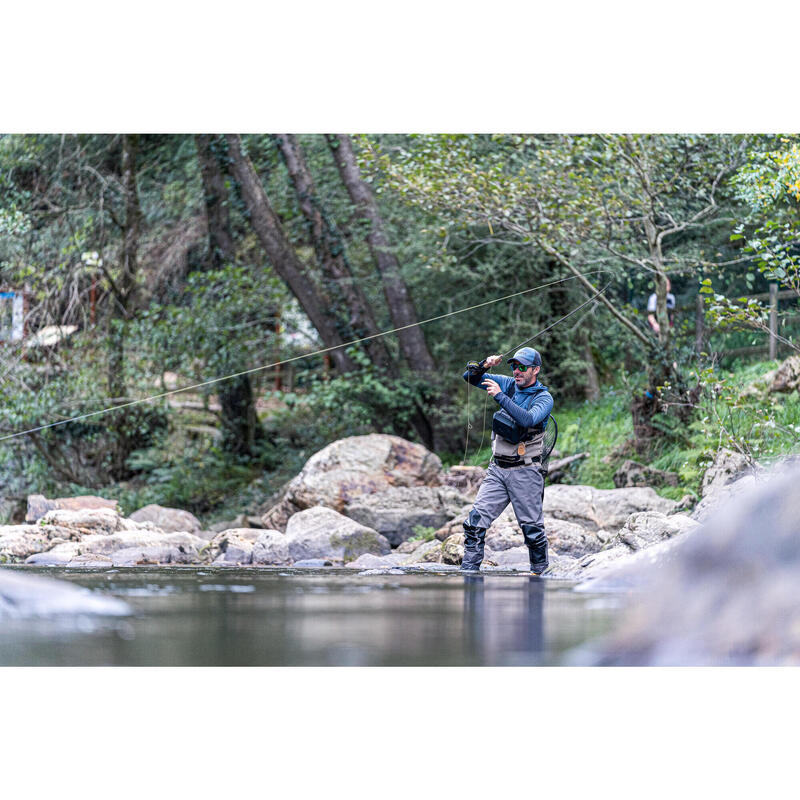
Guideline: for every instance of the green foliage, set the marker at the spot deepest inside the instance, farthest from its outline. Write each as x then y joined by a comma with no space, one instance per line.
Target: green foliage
769,233
422,533
89,451
743,416
772,175
198,478
471,218
734,411
601,429
587,195
224,323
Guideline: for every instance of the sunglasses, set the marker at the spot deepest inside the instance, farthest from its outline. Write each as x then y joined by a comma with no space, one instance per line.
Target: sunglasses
520,367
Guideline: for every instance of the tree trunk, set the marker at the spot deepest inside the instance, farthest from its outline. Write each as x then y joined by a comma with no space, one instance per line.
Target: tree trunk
401,307
123,299
280,253
241,430
123,291
220,239
329,248
661,368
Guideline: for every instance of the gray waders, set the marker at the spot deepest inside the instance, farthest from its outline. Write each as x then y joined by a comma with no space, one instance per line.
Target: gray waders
521,486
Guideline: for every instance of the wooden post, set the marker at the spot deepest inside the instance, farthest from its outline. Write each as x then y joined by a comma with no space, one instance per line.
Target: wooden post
773,321
92,299
699,324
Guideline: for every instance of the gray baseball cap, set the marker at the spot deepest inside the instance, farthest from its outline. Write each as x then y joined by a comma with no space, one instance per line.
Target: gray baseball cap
527,356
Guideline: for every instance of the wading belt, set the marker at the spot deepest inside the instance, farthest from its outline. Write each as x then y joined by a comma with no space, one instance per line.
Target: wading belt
508,463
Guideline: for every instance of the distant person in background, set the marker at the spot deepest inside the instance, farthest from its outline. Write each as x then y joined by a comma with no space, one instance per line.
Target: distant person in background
651,308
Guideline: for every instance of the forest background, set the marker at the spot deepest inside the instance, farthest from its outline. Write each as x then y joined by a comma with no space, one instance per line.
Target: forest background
172,260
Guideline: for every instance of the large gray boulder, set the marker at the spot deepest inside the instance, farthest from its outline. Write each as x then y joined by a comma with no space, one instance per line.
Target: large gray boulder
504,532
721,495
646,528
454,525
17,542
787,377
100,544
397,511
321,532
370,561
271,547
518,558
351,468
91,560
453,549
511,557
632,473
24,596
571,539
601,509
234,546
407,547
465,480
594,563
39,505
618,565
730,592
426,553
85,521
567,538
619,568
159,554
58,556
167,519
64,535
728,467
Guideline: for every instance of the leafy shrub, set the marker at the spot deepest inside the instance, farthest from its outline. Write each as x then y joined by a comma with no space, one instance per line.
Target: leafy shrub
422,533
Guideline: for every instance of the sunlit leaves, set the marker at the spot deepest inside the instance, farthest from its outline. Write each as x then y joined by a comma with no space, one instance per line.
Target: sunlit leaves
770,184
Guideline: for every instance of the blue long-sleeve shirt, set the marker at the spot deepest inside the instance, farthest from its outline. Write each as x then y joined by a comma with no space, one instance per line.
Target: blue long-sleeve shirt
529,407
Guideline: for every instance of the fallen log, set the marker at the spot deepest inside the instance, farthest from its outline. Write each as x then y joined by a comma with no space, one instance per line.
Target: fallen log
560,463
555,471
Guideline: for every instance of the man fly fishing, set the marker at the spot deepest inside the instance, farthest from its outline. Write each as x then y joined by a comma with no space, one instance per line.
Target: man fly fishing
515,476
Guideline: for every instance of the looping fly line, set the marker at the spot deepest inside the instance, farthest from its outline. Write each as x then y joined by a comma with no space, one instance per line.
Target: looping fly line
324,350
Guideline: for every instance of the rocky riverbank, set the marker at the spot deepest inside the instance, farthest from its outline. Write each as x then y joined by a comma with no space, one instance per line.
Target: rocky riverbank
728,594
373,502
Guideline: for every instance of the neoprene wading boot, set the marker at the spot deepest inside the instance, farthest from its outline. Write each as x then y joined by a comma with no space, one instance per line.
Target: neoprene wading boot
473,548
537,548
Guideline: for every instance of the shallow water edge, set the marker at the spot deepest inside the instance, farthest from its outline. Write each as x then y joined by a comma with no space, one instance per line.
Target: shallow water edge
273,616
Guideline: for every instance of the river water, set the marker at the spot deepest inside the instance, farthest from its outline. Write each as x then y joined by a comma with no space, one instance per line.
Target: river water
329,617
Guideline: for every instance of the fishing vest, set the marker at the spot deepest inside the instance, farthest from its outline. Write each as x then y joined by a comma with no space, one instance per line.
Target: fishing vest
513,441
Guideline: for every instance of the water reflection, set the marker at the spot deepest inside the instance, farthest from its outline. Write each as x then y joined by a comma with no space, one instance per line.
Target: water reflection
497,621
328,617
